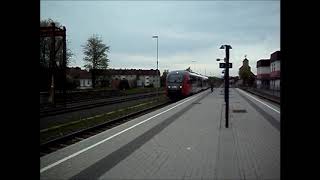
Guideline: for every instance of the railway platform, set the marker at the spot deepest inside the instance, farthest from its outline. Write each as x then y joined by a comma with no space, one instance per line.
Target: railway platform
185,140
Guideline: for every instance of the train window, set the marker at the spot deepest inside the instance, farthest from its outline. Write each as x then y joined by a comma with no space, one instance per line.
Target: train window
192,79
172,78
198,82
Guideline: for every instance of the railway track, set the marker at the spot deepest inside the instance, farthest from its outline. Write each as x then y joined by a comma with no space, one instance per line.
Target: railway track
66,140
271,98
84,104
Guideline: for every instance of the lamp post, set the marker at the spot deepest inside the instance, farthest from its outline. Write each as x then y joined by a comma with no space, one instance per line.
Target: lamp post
158,79
157,48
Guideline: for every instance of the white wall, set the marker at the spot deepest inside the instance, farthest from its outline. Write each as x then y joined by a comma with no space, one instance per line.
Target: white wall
155,80
143,80
263,70
146,80
85,83
258,83
275,66
275,84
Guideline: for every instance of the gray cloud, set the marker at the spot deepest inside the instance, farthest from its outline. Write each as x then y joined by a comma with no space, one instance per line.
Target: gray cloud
187,30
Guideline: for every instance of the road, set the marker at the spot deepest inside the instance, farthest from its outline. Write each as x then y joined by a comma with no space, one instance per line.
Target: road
185,140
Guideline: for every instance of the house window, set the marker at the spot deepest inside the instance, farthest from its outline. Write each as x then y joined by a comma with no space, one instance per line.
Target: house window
273,67
88,82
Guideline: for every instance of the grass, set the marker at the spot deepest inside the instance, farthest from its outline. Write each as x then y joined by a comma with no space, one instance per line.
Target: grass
78,124
141,90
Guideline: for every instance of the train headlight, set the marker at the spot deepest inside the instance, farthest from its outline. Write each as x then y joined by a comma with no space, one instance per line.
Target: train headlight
180,87
169,87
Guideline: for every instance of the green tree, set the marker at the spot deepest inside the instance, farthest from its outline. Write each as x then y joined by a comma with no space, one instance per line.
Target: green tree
163,77
96,56
245,75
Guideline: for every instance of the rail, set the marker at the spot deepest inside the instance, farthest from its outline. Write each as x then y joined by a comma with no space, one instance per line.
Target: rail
71,138
70,107
269,97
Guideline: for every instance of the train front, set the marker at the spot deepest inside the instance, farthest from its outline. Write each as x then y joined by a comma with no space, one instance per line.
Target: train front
174,84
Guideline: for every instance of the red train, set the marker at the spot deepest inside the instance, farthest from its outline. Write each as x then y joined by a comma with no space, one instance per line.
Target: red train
183,83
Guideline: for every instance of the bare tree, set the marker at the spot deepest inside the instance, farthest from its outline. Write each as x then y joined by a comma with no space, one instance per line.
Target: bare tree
96,56
45,46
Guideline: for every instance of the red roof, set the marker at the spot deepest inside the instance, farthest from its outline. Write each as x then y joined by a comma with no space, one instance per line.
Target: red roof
78,73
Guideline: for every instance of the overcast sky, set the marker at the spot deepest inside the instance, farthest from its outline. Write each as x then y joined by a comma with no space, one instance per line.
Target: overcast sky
188,31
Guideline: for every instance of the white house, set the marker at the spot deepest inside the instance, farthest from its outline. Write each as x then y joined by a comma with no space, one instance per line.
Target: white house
82,76
263,73
85,80
135,77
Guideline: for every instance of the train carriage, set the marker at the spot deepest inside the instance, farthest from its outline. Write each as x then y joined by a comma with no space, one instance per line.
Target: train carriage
183,83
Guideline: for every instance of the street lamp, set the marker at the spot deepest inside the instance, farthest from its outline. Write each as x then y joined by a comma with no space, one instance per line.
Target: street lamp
157,48
158,79
156,36
218,59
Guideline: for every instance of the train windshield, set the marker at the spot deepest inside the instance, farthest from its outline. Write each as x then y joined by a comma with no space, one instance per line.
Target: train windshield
175,78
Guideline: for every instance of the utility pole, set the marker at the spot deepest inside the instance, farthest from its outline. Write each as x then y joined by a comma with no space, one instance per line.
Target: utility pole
157,66
64,66
52,65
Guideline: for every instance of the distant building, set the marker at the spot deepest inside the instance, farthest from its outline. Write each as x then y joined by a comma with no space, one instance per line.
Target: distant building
275,70
135,77
85,80
82,77
268,72
263,74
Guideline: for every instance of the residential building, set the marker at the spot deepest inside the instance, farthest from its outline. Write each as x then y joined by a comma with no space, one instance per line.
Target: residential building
263,74
135,77
275,70
81,77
